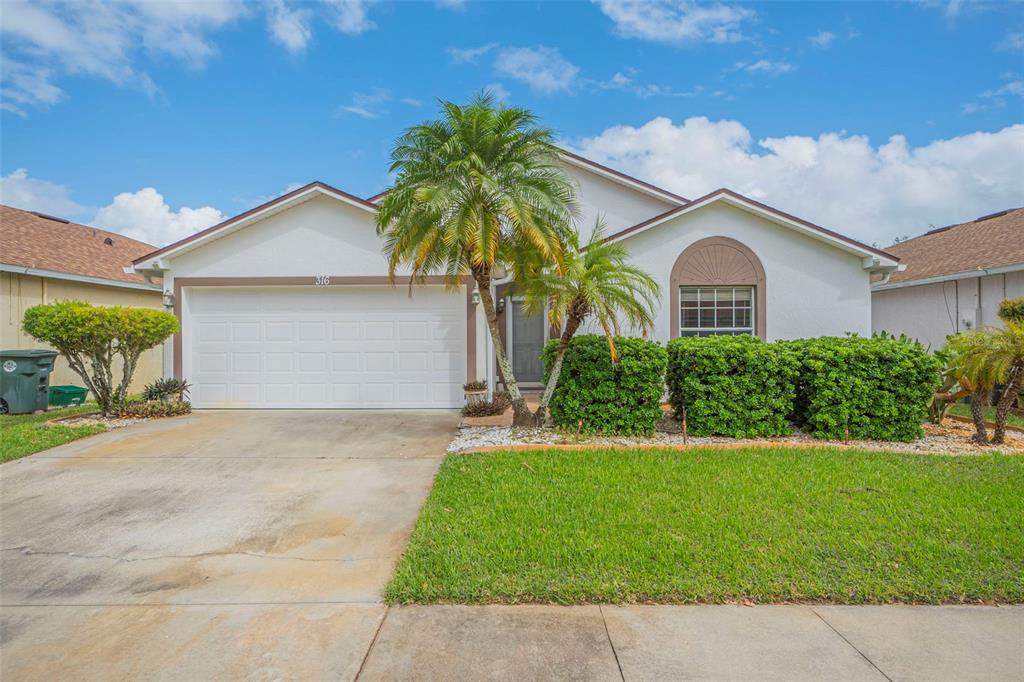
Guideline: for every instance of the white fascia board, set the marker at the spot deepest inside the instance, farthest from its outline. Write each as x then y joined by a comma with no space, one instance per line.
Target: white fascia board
871,260
614,177
160,262
938,279
81,279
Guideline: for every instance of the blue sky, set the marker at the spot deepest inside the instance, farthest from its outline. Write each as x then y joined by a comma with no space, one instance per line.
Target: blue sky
158,119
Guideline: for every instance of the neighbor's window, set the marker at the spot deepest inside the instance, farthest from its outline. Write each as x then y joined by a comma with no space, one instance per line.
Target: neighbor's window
716,311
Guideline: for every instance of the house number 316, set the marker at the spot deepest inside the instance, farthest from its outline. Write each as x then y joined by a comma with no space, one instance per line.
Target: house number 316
322,280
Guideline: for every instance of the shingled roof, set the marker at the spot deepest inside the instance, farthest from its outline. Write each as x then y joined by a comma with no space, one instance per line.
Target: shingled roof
41,242
991,241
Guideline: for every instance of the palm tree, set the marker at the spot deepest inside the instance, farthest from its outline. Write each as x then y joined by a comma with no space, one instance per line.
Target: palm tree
474,190
969,364
994,356
595,281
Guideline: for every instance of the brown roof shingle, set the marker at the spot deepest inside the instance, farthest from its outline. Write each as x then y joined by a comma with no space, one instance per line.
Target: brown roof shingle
31,241
991,241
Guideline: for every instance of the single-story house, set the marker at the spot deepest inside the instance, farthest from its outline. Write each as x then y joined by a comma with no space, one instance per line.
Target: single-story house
288,304
45,259
954,280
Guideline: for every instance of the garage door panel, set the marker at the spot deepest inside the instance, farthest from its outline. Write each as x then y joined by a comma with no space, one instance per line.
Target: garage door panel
325,347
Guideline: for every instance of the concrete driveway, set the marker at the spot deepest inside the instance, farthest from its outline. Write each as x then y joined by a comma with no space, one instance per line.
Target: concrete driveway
226,544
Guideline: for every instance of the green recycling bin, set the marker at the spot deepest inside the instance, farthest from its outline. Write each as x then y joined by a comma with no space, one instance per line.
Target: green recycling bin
67,396
25,380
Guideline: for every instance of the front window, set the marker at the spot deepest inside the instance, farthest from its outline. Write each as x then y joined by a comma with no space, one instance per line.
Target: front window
716,311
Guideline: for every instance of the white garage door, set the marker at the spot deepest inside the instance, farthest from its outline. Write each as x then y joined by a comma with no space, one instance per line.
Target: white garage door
315,347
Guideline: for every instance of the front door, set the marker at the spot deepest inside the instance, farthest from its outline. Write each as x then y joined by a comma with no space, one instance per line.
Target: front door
527,334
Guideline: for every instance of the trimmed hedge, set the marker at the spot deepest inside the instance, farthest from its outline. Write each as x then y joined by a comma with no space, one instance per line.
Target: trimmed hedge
735,386
877,387
624,398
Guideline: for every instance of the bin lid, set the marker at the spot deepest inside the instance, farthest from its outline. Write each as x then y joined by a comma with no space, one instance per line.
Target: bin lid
28,353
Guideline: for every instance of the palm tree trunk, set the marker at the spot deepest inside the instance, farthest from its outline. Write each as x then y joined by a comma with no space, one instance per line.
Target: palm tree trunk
521,415
1014,382
556,369
979,401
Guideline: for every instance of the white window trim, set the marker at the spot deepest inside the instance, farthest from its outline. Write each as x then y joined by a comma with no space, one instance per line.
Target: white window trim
752,329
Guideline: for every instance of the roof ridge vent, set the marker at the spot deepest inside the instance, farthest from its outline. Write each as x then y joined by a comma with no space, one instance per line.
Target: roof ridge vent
994,215
47,216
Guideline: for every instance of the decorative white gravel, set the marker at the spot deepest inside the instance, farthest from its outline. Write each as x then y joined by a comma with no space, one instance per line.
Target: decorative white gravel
112,423
952,439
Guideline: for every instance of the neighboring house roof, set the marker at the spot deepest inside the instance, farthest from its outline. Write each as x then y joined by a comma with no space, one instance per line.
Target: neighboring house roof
47,246
774,214
604,171
994,241
264,210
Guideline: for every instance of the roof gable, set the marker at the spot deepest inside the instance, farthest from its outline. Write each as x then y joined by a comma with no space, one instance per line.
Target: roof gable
281,203
875,259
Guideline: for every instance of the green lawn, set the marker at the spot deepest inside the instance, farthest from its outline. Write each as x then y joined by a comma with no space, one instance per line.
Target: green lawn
964,410
718,525
24,434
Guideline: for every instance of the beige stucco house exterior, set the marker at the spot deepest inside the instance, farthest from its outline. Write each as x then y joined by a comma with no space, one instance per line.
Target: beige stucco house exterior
44,259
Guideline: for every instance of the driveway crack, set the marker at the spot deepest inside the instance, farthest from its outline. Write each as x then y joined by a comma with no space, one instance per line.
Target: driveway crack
843,637
27,550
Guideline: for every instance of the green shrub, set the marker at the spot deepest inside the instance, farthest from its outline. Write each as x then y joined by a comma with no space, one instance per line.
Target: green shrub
597,396
879,388
93,339
1012,309
735,386
153,408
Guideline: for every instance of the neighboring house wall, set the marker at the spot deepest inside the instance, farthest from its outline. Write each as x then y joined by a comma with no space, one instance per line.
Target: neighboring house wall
931,312
813,288
21,292
619,206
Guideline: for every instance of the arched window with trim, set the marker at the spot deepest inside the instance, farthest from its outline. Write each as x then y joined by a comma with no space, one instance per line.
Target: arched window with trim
717,287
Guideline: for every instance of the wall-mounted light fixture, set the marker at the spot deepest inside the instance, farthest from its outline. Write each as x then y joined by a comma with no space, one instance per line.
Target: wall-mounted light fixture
501,305
168,300
476,297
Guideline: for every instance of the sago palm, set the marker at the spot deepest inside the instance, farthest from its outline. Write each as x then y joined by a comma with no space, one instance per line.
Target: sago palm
967,362
997,354
596,281
473,190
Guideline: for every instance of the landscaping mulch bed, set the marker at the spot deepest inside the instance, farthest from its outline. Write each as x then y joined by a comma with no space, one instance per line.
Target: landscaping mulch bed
952,437
95,419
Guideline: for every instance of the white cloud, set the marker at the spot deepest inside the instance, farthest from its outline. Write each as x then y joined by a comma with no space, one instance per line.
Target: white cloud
838,180
288,26
626,81
764,66
20,190
144,215
544,69
102,40
1013,42
499,91
822,39
26,85
469,55
996,97
351,16
367,104
677,21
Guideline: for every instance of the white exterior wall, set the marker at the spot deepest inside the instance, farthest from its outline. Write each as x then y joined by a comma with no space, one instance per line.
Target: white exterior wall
620,206
813,288
931,312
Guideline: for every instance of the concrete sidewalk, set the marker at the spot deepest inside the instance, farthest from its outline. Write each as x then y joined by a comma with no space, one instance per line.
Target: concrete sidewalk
698,643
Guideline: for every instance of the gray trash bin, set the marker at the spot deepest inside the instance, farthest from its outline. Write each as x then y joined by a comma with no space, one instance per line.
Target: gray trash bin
25,380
